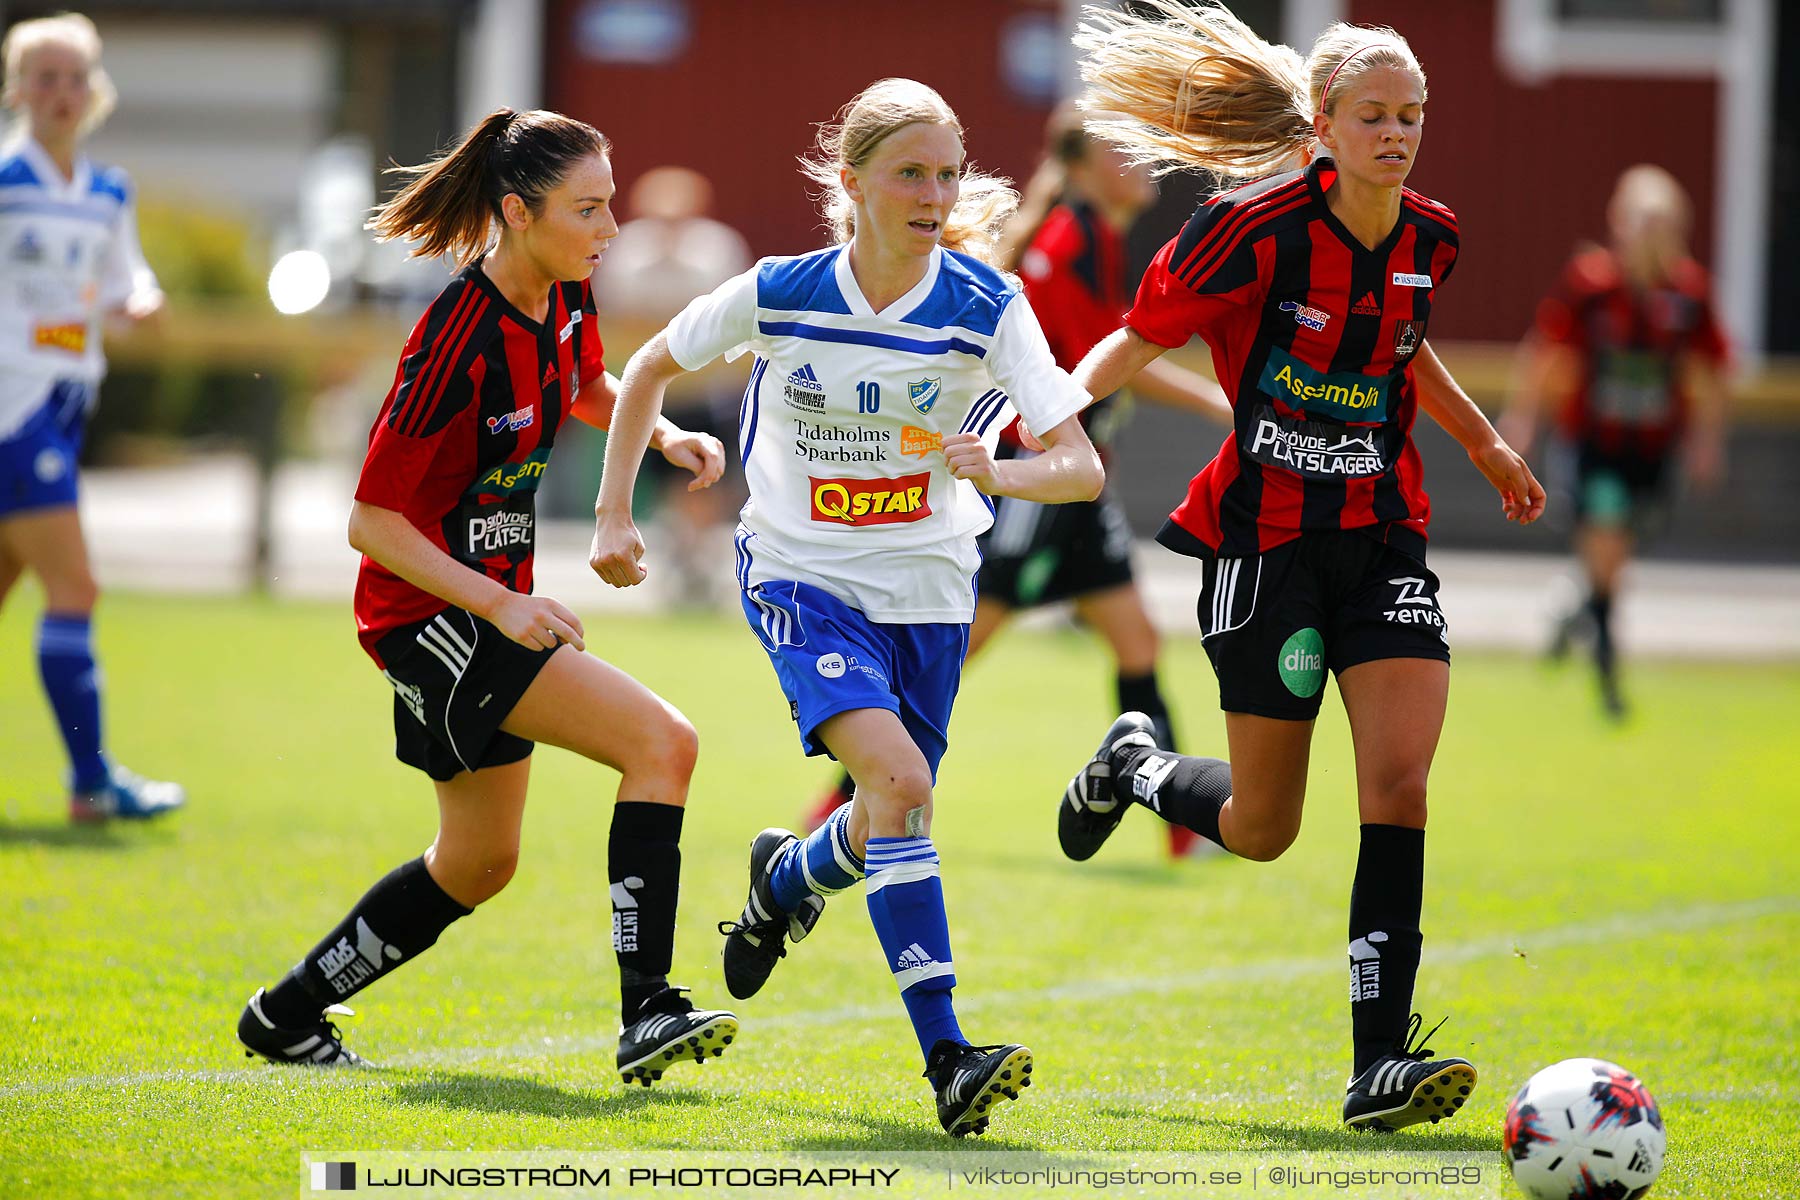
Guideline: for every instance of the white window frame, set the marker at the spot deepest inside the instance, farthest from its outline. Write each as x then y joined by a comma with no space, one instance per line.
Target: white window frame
1535,44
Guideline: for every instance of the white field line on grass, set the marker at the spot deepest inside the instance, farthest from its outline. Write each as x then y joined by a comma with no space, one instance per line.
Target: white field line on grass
1622,927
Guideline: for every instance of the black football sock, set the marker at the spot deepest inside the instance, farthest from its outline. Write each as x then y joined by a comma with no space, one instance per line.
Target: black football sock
643,863
1139,693
1599,605
396,920
1384,937
1180,788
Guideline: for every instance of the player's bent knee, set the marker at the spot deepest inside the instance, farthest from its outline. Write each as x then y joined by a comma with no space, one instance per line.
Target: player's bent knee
1261,844
891,796
665,748
477,875
74,595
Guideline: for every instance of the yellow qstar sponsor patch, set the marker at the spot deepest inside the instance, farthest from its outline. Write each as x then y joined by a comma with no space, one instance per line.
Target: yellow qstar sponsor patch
71,337
871,501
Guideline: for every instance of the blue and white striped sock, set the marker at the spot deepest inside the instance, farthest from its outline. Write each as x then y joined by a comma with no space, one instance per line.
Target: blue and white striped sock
906,903
66,662
823,863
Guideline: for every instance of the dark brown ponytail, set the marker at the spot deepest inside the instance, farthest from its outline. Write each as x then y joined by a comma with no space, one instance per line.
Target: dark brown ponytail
451,203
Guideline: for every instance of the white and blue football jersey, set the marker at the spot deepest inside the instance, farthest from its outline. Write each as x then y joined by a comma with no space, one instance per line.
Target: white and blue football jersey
68,253
843,420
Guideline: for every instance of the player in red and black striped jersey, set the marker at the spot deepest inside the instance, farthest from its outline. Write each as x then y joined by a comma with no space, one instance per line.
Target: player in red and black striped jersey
1629,350
1314,334
465,432
1067,244
481,668
1314,288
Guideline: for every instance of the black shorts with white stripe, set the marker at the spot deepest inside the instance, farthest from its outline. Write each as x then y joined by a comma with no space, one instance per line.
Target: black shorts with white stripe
455,679
1041,553
1275,625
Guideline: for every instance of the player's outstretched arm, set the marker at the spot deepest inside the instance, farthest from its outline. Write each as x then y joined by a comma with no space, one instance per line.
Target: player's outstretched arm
1113,362
1544,376
396,543
1116,361
702,454
1067,470
1178,387
699,453
1705,455
617,551
1521,495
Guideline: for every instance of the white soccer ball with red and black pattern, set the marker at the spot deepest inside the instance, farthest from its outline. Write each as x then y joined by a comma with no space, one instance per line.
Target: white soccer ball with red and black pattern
1584,1129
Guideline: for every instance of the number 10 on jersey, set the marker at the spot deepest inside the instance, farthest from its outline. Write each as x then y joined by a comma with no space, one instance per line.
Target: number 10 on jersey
868,397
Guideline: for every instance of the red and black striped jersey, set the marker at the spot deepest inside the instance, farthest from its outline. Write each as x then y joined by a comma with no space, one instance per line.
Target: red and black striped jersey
1076,276
1313,336
1077,279
465,432
1630,397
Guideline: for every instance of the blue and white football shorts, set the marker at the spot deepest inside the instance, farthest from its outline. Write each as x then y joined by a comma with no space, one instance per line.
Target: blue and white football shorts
37,464
831,658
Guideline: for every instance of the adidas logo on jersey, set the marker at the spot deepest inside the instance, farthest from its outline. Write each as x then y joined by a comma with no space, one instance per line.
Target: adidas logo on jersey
549,375
804,391
1368,306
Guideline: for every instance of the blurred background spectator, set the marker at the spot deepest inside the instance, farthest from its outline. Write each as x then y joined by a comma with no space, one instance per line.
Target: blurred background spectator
669,251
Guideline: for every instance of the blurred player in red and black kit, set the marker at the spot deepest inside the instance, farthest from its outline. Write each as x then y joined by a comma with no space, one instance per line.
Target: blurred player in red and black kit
482,668
1067,244
1314,289
1629,354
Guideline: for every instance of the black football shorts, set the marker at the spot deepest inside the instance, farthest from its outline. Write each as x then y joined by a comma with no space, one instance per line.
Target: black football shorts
455,679
1274,624
1041,553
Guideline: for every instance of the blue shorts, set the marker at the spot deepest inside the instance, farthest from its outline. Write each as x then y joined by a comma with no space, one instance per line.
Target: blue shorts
37,464
830,659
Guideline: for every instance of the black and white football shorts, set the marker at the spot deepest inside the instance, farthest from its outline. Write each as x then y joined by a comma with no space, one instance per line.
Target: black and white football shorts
1622,491
1275,623
455,679
1041,553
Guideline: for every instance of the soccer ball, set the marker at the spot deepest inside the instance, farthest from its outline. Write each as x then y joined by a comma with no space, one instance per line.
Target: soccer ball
1584,1130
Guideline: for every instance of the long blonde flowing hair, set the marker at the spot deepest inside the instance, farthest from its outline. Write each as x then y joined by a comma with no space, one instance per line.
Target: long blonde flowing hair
1194,87
984,202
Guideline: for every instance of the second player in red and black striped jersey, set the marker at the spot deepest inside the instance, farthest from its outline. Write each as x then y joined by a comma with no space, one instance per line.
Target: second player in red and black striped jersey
1630,398
1313,336
1077,278
463,436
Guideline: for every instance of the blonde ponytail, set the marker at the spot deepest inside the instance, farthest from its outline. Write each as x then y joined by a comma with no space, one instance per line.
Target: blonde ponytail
1195,87
1192,87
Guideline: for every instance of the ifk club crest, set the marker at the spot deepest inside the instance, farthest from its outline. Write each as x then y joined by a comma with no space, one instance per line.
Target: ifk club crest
924,394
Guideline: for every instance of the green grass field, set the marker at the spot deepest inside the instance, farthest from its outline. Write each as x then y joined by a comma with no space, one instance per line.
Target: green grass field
1630,894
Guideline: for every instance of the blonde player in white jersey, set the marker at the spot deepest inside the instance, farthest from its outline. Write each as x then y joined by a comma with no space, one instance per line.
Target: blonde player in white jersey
68,257
885,368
